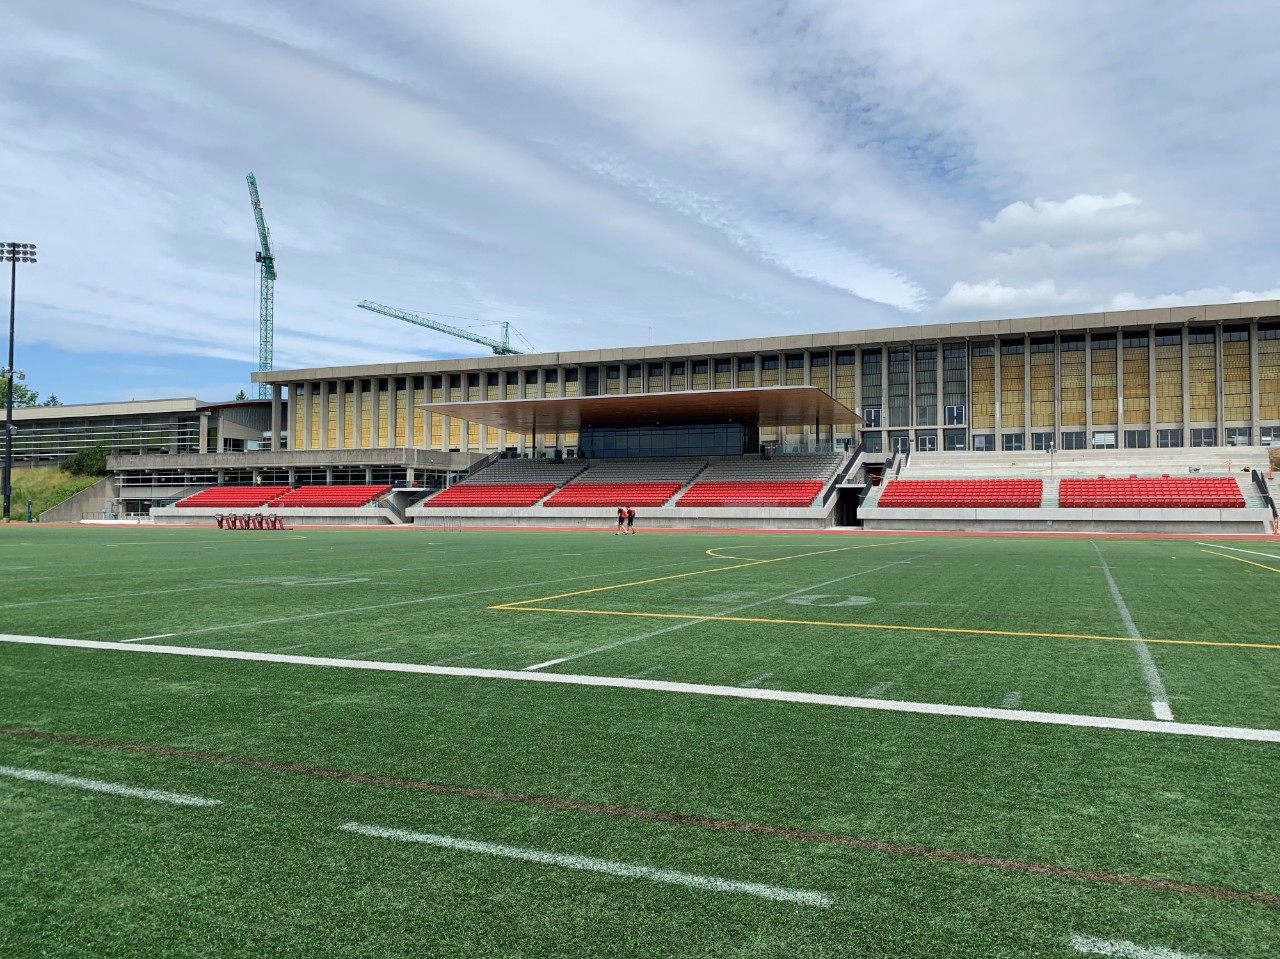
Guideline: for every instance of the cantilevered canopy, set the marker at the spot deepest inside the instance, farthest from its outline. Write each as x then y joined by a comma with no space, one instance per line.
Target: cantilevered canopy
767,406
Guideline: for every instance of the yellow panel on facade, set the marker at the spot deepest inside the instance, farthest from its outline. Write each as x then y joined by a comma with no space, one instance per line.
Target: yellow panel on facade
1169,384
635,384
570,439
769,377
1072,389
700,381
1137,385
612,387
419,418
724,381
1013,397
1237,402
384,419
571,388
368,420
1269,379
531,390
491,437
404,416
1043,390
348,423
437,431
820,376
1103,387
746,379
655,384
677,382
331,428
315,420
1201,385
473,436
982,397
455,433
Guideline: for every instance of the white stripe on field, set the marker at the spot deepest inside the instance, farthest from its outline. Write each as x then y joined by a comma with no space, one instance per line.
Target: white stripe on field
97,786
1241,733
803,897
1234,549
1123,949
694,622
141,639
1155,685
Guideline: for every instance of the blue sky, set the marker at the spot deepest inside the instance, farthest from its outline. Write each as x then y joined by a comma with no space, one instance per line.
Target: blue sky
606,173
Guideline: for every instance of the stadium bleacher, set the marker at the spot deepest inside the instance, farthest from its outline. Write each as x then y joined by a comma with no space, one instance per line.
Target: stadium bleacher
233,497
345,496
1142,492
953,493
490,494
628,482
791,480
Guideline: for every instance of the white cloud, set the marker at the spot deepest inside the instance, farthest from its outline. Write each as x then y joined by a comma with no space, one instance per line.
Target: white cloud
1212,294
992,296
1084,214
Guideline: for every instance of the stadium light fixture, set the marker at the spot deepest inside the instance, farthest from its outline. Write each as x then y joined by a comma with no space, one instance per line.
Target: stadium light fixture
13,254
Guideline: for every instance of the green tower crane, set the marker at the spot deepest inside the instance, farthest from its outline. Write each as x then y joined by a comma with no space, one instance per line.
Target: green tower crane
500,347
266,290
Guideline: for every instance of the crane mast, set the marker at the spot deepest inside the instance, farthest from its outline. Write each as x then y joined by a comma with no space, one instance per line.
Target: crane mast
500,347
266,289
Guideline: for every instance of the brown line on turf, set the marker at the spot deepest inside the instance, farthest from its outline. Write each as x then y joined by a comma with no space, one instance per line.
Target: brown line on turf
675,818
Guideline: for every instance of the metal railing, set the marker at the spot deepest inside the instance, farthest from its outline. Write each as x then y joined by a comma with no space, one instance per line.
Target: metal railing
1259,482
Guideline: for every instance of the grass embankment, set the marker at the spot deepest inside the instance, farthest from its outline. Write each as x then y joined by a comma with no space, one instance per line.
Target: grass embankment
46,487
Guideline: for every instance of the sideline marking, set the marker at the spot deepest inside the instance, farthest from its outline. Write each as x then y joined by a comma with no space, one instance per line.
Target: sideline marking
1123,949
97,786
697,572
140,639
667,686
708,617
671,629
1235,549
1155,685
843,840
803,897
1239,560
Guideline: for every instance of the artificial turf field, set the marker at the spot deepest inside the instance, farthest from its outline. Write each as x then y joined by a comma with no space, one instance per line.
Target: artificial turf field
661,784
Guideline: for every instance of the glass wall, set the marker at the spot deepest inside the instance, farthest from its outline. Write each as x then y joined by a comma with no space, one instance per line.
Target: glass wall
725,439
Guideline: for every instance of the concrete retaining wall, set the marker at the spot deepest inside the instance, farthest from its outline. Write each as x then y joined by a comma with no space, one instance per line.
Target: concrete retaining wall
1072,520
664,517
292,516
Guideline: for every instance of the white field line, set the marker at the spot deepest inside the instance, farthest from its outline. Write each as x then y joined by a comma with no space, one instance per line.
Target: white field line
1122,949
97,786
1011,700
1244,734
694,622
415,602
803,897
1155,685
1251,552
140,639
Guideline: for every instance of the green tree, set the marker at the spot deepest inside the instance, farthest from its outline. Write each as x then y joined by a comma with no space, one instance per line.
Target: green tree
90,462
23,395
241,396
51,401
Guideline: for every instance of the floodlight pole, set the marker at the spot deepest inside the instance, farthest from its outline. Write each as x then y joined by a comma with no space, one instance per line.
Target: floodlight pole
1052,450
13,252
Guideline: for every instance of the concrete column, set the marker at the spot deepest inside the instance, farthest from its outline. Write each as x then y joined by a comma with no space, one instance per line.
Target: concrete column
1255,391
1218,375
324,416
275,417
1186,386
307,390
393,410
328,476
756,368
1153,416
1026,391
940,413
1057,390
1119,389
293,476
202,441
999,362
357,415
1088,391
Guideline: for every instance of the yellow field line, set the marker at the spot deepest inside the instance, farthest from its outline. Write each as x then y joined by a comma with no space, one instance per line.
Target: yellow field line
909,629
1239,560
698,572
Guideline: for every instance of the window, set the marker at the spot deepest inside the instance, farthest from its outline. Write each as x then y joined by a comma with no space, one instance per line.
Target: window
873,442
1104,343
1104,441
473,379
1135,339
983,349
455,381
1204,437
634,371
1072,344
955,415
1269,436
1200,336
1238,435
551,376
1168,439
1137,439
846,358
900,441
953,440
795,361
1072,440
984,443
513,379
699,366
872,415
1235,334
1042,346
1011,442
724,366
1168,337
1041,441
1010,347
571,375
1269,331
769,363
655,369
819,359
746,364
927,442
612,373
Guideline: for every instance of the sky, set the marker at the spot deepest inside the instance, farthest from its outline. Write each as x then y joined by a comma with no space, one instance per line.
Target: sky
610,173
